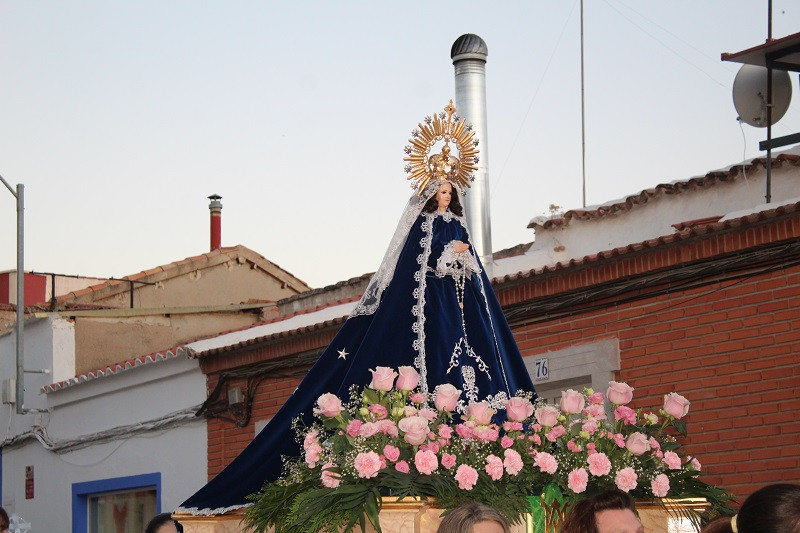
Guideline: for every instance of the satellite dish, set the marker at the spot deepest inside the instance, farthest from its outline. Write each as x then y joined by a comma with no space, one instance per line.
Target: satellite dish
750,94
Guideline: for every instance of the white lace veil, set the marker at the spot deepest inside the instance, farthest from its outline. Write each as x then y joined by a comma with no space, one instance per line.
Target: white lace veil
371,298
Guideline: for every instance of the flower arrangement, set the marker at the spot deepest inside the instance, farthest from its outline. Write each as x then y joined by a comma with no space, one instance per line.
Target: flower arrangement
392,440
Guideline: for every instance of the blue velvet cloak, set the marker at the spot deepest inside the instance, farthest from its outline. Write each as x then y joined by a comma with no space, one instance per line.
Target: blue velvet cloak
488,366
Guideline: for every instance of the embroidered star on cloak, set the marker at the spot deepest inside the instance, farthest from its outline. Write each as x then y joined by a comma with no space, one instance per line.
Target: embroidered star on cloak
343,354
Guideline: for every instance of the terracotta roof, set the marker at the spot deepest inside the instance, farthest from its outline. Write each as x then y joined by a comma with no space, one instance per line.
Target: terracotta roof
117,368
678,187
683,234
140,276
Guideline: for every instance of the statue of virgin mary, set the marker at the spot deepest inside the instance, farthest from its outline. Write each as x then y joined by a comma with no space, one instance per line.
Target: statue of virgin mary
429,305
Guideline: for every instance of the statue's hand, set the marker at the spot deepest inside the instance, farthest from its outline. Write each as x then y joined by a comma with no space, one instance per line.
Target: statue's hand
460,247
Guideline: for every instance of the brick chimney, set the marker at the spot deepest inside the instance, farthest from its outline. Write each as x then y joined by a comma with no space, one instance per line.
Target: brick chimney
215,206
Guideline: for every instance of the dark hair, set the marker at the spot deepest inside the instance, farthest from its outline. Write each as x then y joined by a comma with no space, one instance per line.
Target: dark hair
159,520
4,517
455,204
771,509
720,525
581,518
462,518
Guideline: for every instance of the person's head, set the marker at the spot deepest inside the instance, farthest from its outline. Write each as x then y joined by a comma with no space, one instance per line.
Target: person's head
446,197
771,509
474,517
608,512
4,521
162,523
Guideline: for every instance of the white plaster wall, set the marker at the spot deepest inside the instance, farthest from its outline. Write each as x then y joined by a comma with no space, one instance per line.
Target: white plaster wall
655,218
140,394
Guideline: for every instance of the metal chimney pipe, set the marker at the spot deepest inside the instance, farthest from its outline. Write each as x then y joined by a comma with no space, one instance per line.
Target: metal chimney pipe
215,206
469,54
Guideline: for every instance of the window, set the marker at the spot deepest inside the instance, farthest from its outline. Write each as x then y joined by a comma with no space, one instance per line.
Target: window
124,510
123,504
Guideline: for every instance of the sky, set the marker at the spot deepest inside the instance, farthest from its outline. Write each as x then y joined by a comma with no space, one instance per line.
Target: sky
121,118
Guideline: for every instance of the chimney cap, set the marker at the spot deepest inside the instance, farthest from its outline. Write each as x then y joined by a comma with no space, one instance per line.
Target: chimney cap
215,201
215,197
469,46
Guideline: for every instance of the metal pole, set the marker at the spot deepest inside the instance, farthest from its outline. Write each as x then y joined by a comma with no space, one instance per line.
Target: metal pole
20,299
583,115
20,326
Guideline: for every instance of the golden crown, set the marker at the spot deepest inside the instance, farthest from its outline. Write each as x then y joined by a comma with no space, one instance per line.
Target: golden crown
448,127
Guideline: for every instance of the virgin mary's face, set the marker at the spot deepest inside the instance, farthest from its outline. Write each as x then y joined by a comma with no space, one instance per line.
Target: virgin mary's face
443,196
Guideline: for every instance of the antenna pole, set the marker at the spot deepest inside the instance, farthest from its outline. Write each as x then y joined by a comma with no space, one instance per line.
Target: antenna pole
583,116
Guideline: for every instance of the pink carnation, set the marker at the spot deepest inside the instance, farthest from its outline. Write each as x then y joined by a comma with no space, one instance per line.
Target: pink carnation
546,463
506,441
330,479
512,462
537,440
571,446
367,464
387,427
596,398
599,465
494,467
596,411
448,460
508,425
426,462
354,427
445,431
672,460
417,398
369,429
625,413
428,414
392,453
619,440
660,486
590,426
626,479
577,480
403,467
311,438
555,433
466,476
464,431
695,464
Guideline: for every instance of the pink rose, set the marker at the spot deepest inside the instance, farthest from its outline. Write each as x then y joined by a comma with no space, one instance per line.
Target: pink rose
480,412
596,411
546,462
382,378
672,460
392,453
625,413
408,378
599,465
572,402
353,427
596,398
415,429
466,476
676,405
494,467
637,443
329,405
577,480
660,486
446,397
403,467
547,415
626,479
555,433
506,442
512,462
448,460
367,464
519,409
426,462
417,398
330,479
378,411
409,410
619,393
445,431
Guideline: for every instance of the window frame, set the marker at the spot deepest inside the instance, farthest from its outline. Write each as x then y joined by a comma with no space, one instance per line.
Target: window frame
81,492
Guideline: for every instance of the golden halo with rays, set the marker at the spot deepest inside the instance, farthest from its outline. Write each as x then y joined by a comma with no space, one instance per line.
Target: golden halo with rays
448,127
